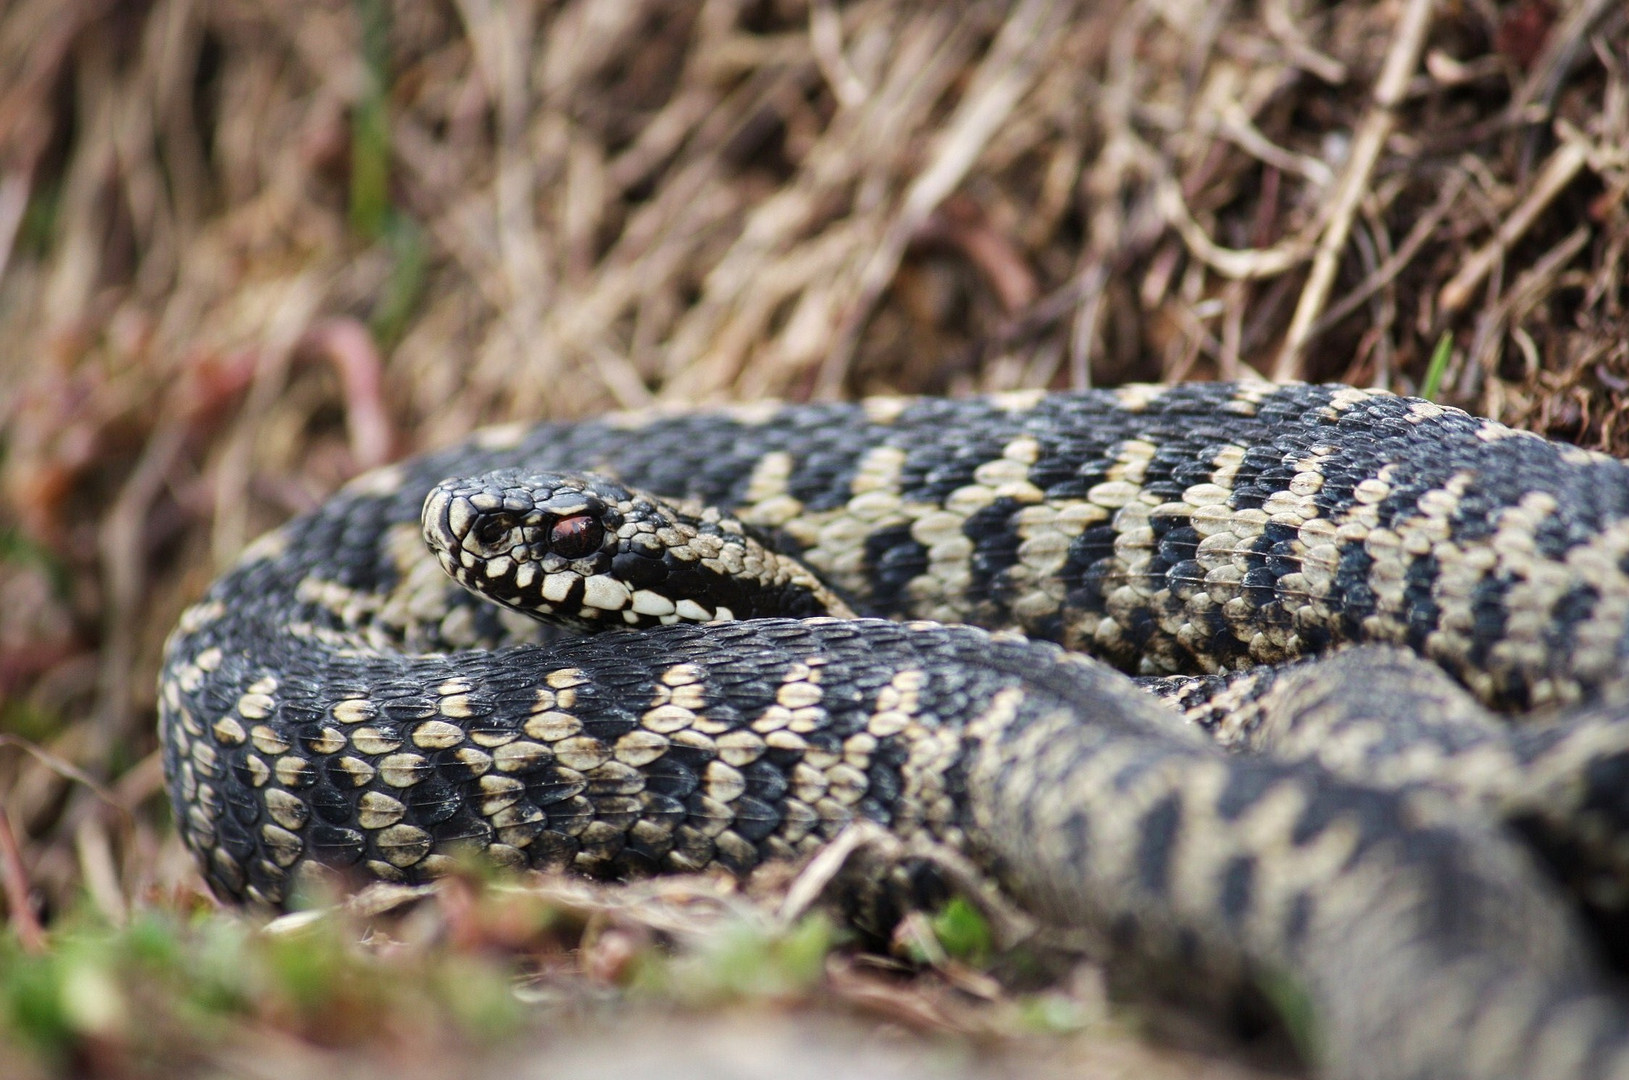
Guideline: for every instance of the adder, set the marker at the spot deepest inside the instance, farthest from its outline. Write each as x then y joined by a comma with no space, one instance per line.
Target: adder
1421,834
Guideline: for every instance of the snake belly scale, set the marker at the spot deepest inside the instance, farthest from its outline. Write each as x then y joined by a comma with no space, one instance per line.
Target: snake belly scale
338,700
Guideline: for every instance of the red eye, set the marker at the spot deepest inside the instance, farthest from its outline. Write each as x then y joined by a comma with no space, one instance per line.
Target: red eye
576,536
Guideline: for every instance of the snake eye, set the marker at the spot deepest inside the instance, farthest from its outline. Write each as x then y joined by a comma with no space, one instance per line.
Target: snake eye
490,530
576,536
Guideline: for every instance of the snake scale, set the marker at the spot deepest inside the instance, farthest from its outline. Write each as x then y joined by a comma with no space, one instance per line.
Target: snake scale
1438,882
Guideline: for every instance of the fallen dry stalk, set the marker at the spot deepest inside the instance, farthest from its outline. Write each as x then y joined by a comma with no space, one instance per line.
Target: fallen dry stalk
14,877
1387,272
998,84
1559,171
1401,62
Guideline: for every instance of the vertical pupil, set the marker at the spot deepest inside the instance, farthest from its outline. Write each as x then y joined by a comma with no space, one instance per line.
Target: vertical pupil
576,536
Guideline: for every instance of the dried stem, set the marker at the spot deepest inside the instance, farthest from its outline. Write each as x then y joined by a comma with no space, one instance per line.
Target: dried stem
1401,62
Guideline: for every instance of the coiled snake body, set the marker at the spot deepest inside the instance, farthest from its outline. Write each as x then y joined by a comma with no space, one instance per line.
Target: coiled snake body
1392,849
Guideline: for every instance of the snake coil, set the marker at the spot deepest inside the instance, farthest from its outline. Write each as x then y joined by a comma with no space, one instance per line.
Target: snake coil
1413,863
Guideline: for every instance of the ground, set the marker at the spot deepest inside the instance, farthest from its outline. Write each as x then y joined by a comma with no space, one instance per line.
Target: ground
248,250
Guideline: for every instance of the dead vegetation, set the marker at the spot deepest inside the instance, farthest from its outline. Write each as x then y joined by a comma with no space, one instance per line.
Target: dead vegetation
250,249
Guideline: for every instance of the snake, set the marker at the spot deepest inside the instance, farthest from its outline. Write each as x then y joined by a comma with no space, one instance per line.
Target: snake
1299,687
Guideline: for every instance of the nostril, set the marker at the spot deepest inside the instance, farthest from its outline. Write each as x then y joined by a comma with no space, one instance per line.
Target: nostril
492,529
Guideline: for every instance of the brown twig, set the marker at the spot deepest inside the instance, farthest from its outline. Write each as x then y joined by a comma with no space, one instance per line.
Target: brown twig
14,192
30,934
826,41
1562,47
1238,264
1387,271
1557,173
68,770
1532,283
1401,60
123,546
347,343
284,328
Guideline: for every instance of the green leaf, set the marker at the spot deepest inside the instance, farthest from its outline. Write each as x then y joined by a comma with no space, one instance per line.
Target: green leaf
399,299
1438,366
370,124
1294,1006
964,932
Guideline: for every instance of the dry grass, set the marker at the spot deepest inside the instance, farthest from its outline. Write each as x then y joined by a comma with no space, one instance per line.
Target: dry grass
249,249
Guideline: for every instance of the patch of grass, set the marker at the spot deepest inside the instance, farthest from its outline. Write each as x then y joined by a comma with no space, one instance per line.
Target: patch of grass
166,984
744,961
1054,1014
370,208
404,287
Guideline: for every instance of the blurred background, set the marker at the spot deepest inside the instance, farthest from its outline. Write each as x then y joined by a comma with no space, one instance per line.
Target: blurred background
250,249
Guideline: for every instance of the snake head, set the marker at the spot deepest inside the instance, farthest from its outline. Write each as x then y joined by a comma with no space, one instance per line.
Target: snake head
539,542
584,551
